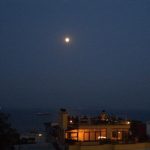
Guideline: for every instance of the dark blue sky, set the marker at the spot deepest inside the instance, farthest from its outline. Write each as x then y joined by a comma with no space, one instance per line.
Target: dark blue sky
106,65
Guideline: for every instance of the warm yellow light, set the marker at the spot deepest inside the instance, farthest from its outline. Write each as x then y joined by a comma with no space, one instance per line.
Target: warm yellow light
128,122
101,137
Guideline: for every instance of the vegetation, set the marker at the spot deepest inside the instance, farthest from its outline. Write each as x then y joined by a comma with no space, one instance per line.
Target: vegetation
8,135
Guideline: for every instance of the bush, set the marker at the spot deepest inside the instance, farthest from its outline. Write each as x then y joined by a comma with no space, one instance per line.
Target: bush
8,135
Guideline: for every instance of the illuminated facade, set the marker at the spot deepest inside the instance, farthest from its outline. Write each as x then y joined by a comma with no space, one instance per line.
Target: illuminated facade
96,129
86,134
98,132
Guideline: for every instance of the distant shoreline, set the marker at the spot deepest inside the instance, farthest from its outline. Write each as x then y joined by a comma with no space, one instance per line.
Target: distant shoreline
26,120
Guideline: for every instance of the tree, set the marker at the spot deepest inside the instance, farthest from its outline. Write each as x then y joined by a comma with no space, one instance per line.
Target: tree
8,135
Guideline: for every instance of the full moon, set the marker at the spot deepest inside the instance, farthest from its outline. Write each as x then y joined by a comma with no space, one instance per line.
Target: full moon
67,39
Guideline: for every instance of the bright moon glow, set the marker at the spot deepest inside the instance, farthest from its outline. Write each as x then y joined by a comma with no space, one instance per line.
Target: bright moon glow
67,39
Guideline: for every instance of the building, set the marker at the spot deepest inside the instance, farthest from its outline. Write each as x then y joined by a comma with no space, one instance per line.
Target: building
100,132
32,137
148,129
138,129
85,129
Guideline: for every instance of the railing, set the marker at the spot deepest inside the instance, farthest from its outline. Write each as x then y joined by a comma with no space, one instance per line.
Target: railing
96,122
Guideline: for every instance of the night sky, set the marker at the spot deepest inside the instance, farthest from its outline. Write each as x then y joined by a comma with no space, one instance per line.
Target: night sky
106,64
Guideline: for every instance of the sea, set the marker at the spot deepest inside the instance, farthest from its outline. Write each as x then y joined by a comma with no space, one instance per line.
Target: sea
26,120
